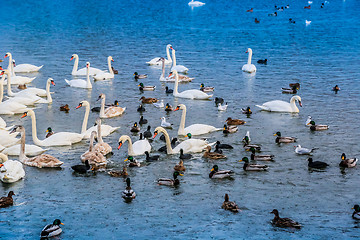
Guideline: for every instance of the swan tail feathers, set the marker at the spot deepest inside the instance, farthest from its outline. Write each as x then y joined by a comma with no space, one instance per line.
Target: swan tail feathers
263,107
68,82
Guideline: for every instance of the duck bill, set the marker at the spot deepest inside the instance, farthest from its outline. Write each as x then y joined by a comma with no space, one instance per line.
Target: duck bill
126,160
212,169
62,224
275,134
120,144
181,174
300,104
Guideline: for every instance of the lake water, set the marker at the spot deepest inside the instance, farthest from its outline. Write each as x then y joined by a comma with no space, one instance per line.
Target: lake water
211,41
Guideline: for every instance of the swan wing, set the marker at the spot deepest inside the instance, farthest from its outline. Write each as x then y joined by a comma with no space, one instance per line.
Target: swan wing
103,76
105,130
191,145
92,71
198,129
12,171
62,138
276,106
21,68
141,146
30,150
77,83
193,94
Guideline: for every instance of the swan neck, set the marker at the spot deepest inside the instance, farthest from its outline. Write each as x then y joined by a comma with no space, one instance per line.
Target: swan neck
2,87
9,91
176,84
34,130
88,83
102,108
48,95
99,132
168,54
3,158
169,150
86,117
182,123
293,105
173,58
91,143
109,64
130,146
163,68
76,63
249,58
22,146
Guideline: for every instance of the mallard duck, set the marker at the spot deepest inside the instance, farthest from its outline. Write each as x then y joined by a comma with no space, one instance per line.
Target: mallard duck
347,162
151,158
223,146
168,108
139,76
212,155
215,173
297,85
143,120
314,127
218,100
170,182
316,164
260,157
262,61
292,90
7,201
303,151
246,111
148,100
356,213
22,86
173,145
231,121
336,88
206,89
82,168
51,230
168,90
114,70
222,107
49,132
135,128
231,206
128,194
122,173
146,88
283,222
252,167
180,166
280,139
132,162
230,129
141,108
65,108
184,156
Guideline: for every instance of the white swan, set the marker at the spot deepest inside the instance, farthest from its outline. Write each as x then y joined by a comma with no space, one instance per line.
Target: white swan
282,106
57,139
94,158
43,160
8,140
101,147
189,94
189,145
165,124
37,91
106,75
171,77
10,170
196,3
109,112
194,129
16,79
138,148
26,68
178,68
31,150
155,61
79,83
249,68
105,129
82,72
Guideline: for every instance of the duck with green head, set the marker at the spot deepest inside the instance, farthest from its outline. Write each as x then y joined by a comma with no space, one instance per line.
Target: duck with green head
280,139
170,182
347,162
142,87
252,167
314,127
128,194
356,213
49,132
51,230
260,157
215,173
206,89
139,76
132,162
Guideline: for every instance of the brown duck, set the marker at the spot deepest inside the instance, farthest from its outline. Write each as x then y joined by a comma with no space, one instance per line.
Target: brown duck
65,108
212,155
148,100
231,206
7,201
231,121
180,166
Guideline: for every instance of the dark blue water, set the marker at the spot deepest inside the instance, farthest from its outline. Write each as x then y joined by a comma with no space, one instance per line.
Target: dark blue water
211,41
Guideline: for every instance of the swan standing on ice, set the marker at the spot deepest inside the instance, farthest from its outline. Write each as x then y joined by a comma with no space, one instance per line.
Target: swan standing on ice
249,68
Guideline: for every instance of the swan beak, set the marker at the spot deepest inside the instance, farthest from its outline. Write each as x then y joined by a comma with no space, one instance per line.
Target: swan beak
155,134
120,143
1,68
62,224
52,82
80,105
1,165
177,108
25,114
300,103
126,160
170,75
112,60
71,58
6,55
246,52
2,73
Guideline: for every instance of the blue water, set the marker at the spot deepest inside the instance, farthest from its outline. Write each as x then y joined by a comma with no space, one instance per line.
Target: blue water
211,41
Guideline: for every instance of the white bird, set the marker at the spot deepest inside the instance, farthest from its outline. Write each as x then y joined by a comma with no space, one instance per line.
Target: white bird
281,106
82,72
309,119
249,68
189,94
80,83
222,107
196,3
303,151
310,2
106,75
16,79
156,61
10,170
165,124
178,68
307,22
25,68
159,104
